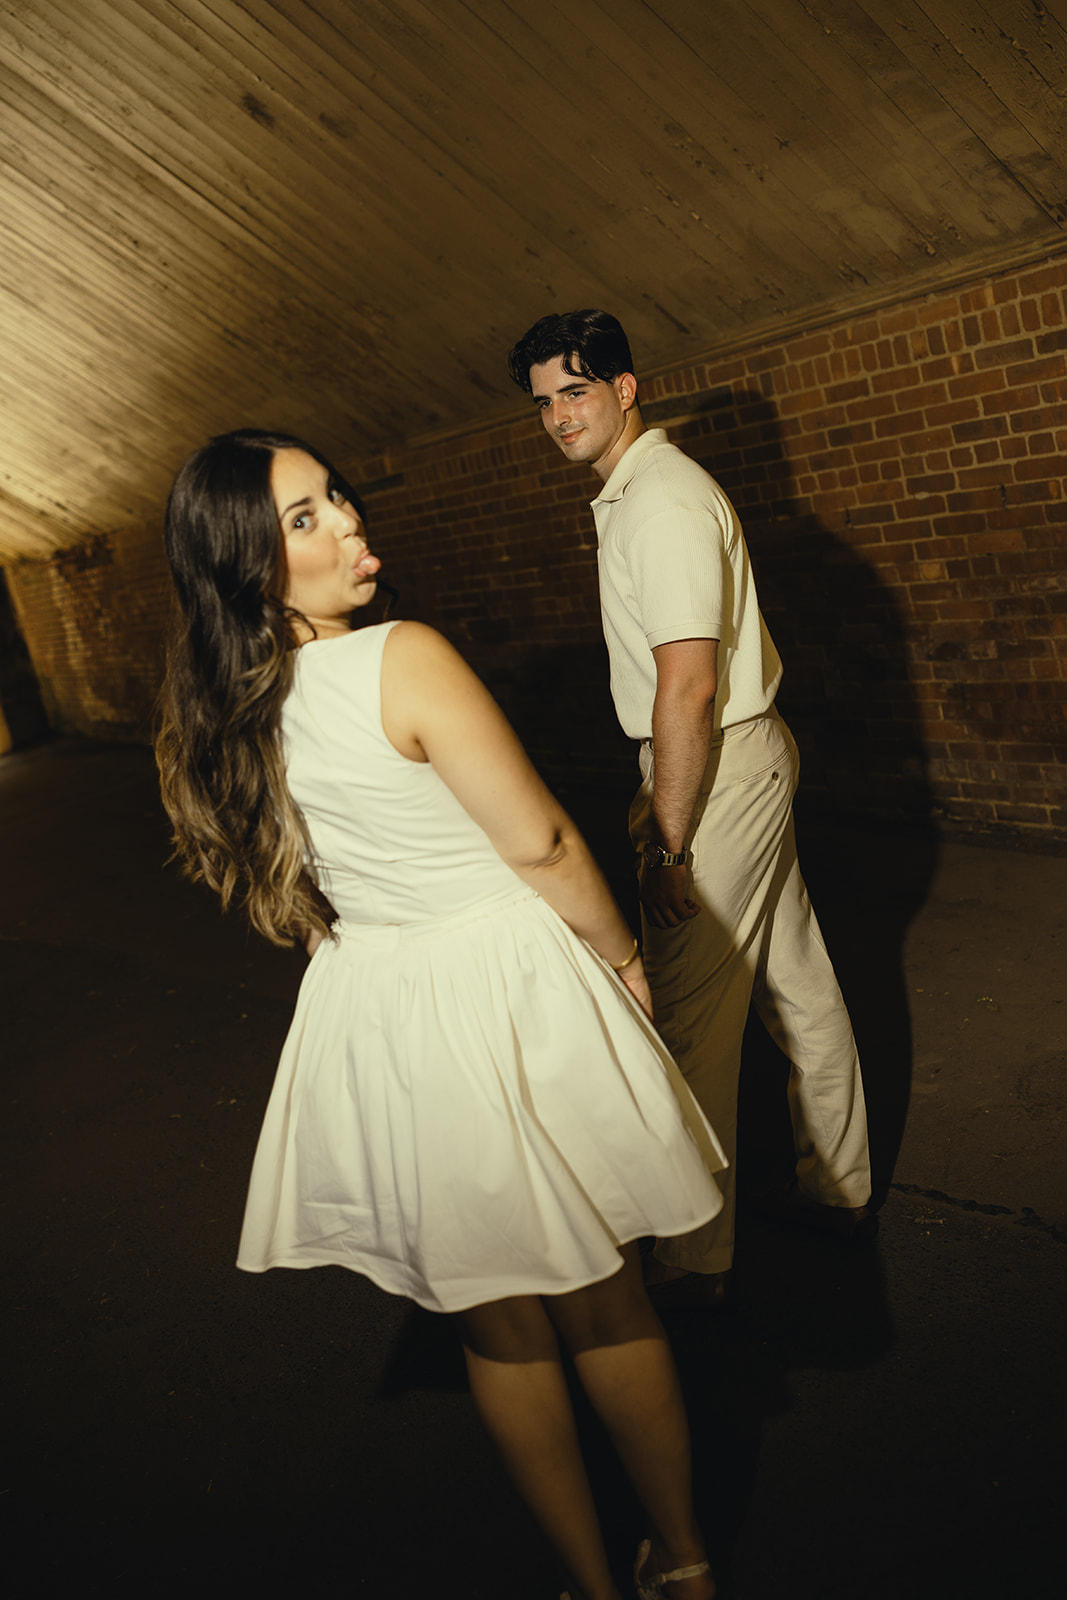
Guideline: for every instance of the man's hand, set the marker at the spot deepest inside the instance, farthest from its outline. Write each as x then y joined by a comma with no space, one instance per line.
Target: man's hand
663,896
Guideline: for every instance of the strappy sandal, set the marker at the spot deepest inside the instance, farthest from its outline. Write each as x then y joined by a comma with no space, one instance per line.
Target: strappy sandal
652,1588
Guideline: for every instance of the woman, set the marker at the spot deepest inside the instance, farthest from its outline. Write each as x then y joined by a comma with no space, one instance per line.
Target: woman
470,1108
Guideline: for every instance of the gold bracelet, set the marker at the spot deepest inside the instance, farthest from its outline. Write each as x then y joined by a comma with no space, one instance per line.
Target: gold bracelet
630,959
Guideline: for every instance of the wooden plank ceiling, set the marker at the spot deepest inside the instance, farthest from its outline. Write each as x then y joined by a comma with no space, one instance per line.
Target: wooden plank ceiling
335,215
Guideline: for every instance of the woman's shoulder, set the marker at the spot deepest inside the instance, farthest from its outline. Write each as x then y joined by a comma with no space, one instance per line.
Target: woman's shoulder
336,654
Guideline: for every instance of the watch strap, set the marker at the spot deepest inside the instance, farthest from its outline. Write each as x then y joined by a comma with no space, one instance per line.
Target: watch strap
656,855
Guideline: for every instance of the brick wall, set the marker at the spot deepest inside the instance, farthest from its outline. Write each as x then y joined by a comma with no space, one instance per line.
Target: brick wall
22,716
899,476
900,480
93,619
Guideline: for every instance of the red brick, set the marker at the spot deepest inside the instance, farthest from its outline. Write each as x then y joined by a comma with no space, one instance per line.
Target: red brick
895,426
863,516
1053,276
920,510
1050,468
807,400
988,477
856,433
998,539
931,440
1047,344
966,432
1008,812
764,360
948,368
990,325
893,379
934,396
977,299
899,321
1001,354
939,311
1037,371
872,406
1046,416
852,390
1010,400
877,450
969,383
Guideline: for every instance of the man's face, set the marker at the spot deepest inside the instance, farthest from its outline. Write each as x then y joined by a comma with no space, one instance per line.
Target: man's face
585,416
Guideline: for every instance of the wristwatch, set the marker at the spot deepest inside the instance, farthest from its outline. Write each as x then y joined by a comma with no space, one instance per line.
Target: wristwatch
655,855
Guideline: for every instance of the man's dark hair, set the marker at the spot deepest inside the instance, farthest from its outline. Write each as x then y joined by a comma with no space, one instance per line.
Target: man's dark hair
592,338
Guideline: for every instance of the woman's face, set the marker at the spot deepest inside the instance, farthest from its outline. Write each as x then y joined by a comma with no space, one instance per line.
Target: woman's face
330,571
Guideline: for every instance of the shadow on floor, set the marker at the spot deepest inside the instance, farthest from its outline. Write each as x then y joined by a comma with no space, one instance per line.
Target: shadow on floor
867,1425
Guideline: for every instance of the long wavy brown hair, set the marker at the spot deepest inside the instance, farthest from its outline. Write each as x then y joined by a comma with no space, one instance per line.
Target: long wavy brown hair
229,668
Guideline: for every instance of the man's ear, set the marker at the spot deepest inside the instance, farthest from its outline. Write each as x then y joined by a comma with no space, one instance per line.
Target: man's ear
626,385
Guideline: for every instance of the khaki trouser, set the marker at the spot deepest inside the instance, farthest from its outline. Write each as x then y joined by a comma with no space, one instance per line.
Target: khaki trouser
755,939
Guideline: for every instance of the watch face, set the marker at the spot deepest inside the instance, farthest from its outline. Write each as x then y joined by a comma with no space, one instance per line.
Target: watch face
655,855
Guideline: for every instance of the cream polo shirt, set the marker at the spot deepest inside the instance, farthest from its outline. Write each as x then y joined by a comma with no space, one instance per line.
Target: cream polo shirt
674,565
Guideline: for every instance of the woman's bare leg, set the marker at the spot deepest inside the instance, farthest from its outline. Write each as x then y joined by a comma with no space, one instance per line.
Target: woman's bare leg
625,1365
519,1389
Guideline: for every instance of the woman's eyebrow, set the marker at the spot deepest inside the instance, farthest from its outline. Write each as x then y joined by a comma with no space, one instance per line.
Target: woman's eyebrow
297,504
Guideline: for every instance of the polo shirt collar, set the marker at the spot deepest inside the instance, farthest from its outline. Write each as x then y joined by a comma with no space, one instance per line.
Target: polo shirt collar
625,469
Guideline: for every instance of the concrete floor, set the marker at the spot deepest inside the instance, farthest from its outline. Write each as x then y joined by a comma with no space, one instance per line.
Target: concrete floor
886,1423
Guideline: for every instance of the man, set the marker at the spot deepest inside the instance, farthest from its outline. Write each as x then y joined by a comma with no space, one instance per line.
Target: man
725,914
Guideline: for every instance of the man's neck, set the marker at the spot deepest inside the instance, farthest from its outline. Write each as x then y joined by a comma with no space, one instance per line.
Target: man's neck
634,428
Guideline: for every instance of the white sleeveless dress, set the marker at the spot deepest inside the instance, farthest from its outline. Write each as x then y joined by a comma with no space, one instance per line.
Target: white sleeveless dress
469,1103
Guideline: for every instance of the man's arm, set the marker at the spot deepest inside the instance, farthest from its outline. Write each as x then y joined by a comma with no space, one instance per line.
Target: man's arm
682,718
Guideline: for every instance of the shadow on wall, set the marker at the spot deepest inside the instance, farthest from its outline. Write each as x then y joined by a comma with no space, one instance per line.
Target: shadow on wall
556,696
847,694
23,719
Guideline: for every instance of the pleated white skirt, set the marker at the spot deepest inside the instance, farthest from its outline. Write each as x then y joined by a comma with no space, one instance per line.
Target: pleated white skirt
469,1109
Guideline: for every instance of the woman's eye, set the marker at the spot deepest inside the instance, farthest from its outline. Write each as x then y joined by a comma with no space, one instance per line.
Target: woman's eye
338,496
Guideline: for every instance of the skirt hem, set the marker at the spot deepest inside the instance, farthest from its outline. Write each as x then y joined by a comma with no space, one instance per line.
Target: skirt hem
501,1290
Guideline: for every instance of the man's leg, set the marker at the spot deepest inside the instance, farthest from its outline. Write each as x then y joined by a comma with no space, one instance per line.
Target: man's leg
798,998
702,972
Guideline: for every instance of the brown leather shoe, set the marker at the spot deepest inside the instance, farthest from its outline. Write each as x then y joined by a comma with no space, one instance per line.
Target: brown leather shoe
852,1225
704,1291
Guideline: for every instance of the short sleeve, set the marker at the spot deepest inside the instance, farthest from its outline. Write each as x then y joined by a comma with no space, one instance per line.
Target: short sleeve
676,561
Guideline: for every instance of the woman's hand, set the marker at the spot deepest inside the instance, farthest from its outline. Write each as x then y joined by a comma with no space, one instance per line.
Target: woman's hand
635,980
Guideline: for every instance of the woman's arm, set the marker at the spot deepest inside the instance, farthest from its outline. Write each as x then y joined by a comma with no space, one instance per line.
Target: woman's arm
434,708
309,937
